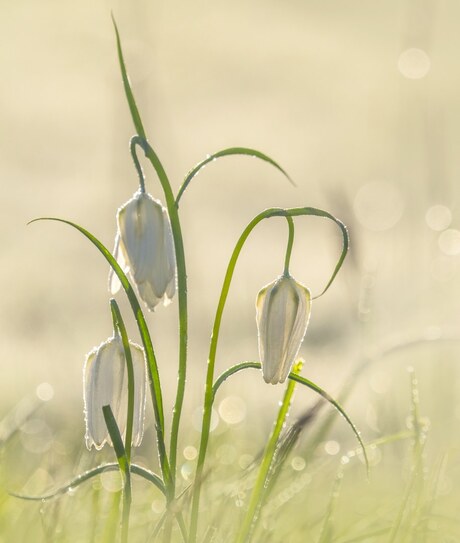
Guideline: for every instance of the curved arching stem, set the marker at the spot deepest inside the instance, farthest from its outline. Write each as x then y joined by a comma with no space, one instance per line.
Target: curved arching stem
290,243
182,293
208,399
232,151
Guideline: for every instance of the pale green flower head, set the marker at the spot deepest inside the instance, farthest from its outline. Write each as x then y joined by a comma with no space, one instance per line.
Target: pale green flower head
144,247
105,382
282,314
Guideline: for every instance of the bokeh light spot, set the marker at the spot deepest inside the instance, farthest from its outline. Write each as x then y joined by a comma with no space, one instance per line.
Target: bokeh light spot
332,447
378,205
438,217
449,242
298,463
232,409
111,481
190,453
44,392
414,63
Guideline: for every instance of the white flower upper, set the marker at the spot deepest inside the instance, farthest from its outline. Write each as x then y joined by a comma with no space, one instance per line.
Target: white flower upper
282,314
144,247
105,382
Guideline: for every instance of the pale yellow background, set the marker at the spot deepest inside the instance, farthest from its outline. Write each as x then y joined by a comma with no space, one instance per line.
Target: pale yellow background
316,85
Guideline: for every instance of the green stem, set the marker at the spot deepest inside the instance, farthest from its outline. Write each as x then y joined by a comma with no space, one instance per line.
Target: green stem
209,396
287,259
119,326
137,164
250,519
124,468
182,295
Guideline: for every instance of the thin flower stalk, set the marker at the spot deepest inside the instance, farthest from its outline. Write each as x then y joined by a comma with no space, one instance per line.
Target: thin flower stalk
209,391
256,500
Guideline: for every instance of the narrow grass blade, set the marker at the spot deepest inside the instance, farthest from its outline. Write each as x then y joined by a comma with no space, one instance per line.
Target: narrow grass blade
118,323
339,408
231,371
115,436
127,86
302,380
113,466
257,496
227,152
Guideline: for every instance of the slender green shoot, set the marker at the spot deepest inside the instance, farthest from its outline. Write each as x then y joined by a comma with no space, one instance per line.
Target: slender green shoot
120,326
88,475
127,86
290,243
123,462
255,502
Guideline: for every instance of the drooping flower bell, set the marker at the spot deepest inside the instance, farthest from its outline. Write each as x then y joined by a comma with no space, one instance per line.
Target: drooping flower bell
282,314
144,247
105,382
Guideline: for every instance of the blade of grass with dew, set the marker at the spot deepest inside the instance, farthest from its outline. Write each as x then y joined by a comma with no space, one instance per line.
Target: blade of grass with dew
138,470
209,393
256,500
154,377
402,525
327,529
123,462
231,151
127,86
303,381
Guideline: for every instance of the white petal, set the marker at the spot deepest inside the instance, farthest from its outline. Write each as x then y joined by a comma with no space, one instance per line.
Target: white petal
114,282
283,309
148,246
103,379
140,388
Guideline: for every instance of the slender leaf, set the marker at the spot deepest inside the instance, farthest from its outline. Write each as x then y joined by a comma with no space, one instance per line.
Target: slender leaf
127,86
154,377
113,466
227,152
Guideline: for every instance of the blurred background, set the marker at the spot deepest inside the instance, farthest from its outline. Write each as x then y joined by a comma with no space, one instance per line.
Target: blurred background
358,101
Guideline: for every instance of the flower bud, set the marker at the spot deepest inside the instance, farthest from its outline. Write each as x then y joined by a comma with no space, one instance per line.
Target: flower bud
105,382
144,247
282,314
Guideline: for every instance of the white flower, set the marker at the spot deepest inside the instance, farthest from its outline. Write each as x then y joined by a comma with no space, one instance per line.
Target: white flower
144,247
282,313
105,382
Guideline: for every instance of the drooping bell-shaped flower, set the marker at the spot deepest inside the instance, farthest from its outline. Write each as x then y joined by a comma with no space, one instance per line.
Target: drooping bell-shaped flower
105,382
282,314
144,247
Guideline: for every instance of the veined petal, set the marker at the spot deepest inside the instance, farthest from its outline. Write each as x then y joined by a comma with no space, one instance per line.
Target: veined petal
283,309
147,244
106,383
114,282
103,385
140,389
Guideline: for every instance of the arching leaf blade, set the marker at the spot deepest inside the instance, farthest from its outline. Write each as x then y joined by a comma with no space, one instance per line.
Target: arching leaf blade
231,151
